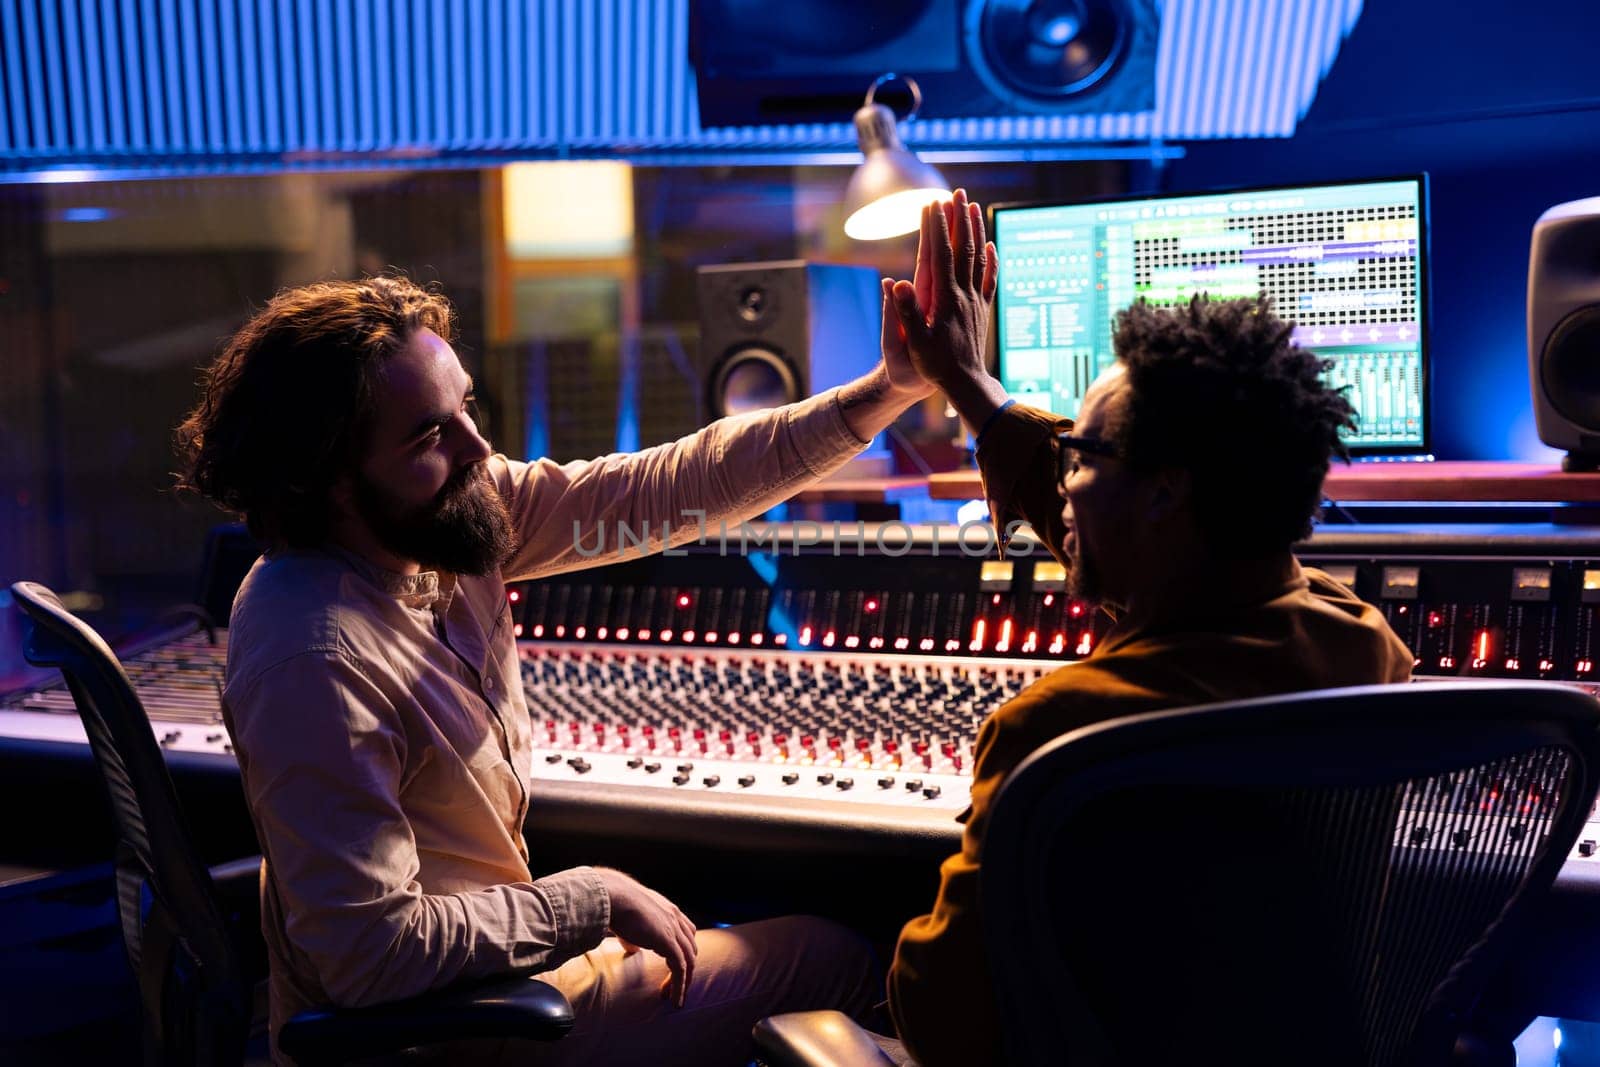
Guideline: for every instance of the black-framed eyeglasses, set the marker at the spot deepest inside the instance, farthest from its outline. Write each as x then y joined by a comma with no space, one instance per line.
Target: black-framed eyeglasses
1069,447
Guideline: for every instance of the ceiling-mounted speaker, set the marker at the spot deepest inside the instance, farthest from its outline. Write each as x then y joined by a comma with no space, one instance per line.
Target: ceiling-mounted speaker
1564,330
759,63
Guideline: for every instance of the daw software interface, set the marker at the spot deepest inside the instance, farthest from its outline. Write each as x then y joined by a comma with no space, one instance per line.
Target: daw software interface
1344,263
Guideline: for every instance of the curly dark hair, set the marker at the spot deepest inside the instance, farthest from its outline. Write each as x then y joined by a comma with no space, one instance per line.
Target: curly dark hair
1217,387
286,408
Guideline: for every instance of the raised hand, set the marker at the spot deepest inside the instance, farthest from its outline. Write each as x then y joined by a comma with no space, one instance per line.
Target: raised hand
898,367
944,311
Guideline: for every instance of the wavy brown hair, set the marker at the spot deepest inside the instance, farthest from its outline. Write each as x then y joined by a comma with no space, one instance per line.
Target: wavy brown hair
285,409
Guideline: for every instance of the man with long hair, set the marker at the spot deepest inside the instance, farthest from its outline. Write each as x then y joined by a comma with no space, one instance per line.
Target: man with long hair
374,695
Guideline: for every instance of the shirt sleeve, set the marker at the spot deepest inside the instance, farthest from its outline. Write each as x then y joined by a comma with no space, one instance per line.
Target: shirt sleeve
322,756
591,512
1017,461
939,985
940,992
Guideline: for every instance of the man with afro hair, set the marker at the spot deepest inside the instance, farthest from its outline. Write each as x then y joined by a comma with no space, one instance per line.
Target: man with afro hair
1174,499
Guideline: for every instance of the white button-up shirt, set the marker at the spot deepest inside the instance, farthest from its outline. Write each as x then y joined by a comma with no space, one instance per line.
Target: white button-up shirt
383,736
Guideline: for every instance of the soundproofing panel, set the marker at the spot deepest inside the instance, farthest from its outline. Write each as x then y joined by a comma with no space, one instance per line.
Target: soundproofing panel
193,85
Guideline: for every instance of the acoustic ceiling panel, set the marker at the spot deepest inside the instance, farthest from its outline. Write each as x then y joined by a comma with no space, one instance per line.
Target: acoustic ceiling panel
196,84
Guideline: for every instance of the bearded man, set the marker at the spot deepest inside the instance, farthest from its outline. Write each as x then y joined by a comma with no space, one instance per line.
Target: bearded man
374,696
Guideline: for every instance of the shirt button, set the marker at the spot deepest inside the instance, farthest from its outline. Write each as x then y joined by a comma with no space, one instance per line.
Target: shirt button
488,683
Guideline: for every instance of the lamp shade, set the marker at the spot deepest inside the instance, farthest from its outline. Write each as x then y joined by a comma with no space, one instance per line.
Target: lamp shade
888,190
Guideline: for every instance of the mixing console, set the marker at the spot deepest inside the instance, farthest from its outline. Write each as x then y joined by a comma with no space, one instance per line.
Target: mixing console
888,730
807,674
179,679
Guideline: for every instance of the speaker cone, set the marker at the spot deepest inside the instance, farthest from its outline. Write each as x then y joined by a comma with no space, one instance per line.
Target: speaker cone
750,379
1047,50
1570,368
754,303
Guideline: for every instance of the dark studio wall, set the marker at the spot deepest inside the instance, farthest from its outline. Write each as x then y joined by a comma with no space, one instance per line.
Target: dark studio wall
1500,104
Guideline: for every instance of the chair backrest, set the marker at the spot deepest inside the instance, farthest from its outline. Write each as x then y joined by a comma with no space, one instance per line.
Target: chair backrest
196,1004
229,554
1319,878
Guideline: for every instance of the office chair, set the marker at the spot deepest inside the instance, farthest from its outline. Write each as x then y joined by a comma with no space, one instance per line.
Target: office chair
195,973
1319,878
229,554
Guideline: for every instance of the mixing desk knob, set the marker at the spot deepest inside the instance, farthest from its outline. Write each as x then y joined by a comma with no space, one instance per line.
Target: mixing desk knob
171,737
635,763
885,783
651,768
914,785
712,780
579,764
212,739
554,757
931,792
680,779
845,783
1586,848
747,780
824,779
790,778
685,768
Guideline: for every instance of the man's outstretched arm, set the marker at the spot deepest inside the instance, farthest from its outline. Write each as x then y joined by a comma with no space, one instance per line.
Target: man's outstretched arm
570,516
944,315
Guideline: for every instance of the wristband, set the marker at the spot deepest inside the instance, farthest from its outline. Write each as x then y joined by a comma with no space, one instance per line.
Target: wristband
995,414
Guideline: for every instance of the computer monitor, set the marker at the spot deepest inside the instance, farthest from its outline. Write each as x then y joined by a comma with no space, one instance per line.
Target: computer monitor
1345,264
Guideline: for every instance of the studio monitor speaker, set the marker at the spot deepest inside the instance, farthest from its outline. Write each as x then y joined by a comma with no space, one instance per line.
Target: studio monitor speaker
1564,330
759,62
771,333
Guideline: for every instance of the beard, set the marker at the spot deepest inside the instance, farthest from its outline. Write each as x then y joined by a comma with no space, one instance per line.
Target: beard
1083,577
464,529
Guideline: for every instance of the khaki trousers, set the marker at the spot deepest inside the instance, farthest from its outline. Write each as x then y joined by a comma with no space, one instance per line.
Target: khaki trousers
742,974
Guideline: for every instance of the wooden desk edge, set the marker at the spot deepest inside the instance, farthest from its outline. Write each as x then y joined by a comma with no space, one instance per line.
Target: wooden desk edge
1470,481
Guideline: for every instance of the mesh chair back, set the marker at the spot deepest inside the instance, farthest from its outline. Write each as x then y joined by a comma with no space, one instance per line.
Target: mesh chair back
1321,878
196,1006
230,552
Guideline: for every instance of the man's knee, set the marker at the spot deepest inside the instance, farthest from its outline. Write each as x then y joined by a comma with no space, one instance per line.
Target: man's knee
806,939
823,963
834,941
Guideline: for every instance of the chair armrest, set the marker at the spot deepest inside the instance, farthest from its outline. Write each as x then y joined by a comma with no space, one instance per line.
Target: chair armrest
1472,1050
238,882
817,1039
516,1007
238,886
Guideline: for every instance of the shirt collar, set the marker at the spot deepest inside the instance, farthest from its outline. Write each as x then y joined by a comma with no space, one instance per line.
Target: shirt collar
425,589
1224,589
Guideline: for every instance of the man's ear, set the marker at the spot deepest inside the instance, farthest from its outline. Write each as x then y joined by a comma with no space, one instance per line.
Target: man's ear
1170,493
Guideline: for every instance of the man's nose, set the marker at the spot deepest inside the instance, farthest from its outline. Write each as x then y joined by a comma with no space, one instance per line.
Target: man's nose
475,448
